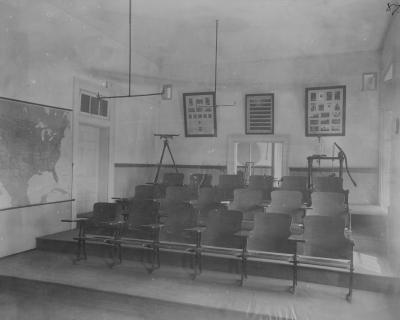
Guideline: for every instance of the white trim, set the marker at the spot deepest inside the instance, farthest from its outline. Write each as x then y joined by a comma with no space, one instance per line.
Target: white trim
84,86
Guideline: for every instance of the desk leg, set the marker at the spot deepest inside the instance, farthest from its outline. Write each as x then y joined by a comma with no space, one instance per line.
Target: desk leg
295,270
81,242
349,294
243,274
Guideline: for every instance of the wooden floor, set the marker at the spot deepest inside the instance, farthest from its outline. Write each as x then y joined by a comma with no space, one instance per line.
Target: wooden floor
46,285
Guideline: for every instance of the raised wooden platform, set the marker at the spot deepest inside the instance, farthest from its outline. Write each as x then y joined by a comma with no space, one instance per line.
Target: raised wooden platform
371,272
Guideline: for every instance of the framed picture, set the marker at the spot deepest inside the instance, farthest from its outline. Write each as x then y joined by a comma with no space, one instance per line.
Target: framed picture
325,111
259,113
200,114
369,81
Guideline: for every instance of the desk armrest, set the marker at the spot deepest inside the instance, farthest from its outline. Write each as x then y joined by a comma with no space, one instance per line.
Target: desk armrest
197,229
348,235
120,199
75,220
112,224
243,233
297,238
225,202
153,225
265,203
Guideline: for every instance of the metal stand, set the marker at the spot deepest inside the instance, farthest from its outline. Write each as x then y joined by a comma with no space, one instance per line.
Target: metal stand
318,157
342,159
165,146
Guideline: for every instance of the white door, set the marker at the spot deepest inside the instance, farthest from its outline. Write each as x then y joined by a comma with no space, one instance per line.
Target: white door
87,168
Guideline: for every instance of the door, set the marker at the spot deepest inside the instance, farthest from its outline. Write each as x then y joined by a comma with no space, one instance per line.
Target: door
87,171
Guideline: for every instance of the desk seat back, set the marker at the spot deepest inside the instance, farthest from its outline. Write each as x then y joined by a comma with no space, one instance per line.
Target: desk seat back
142,212
324,237
178,218
221,229
245,199
227,184
296,183
263,183
173,179
145,191
286,200
328,204
271,232
179,194
103,212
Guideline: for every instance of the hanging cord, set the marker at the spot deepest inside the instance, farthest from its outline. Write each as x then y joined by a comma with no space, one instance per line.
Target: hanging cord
216,60
130,44
216,70
341,152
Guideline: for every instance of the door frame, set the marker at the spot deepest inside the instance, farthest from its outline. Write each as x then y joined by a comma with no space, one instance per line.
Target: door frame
107,131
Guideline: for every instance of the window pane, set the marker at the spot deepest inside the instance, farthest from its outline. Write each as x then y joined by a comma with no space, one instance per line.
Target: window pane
103,108
85,99
94,105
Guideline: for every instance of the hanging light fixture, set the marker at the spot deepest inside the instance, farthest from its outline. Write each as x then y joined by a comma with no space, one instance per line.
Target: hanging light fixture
166,91
216,69
392,7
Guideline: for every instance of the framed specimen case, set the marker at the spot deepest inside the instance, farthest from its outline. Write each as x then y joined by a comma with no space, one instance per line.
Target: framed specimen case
260,113
200,114
325,111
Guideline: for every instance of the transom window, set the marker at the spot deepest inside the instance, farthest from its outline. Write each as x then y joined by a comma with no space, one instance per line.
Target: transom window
94,106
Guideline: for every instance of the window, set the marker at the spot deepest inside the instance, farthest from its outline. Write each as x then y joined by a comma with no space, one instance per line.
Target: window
94,106
258,154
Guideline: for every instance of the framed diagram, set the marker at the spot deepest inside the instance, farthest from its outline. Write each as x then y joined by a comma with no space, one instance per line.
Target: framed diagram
369,81
200,114
325,111
260,113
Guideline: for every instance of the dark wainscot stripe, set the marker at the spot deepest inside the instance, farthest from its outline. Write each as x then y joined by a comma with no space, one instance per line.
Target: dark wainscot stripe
183,166
370,170
36,104
36,204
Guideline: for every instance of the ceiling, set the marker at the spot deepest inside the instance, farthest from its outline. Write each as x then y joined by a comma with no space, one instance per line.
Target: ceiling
171,34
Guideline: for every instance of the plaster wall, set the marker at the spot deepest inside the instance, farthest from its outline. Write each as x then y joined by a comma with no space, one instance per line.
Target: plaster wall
287,79
32,72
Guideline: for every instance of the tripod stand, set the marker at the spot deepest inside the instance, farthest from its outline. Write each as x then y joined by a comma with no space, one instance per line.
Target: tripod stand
165,146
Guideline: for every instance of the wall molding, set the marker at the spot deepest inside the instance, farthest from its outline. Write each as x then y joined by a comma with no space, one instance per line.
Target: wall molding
370,170
366,170
182,166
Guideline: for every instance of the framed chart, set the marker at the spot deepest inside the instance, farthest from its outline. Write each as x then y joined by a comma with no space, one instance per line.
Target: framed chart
200,114
326,111
260,113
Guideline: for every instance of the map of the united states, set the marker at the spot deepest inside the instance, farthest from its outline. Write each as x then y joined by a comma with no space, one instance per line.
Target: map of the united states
35,154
